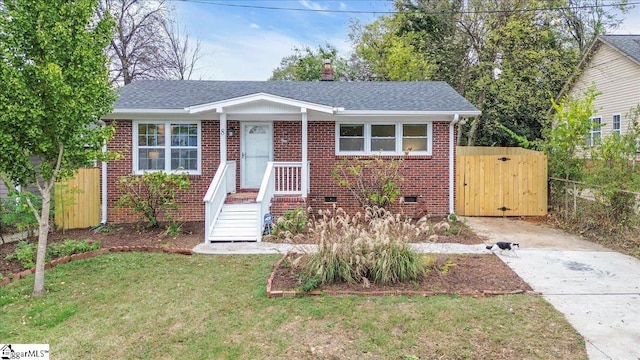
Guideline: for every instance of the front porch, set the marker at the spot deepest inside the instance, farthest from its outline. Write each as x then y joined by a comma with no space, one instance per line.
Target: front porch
232,215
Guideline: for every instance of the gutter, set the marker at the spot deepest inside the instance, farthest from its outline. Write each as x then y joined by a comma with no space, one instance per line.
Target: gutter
452,124
103,183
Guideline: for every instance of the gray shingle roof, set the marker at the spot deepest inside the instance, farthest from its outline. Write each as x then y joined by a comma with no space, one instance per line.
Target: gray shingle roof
627,44
382,96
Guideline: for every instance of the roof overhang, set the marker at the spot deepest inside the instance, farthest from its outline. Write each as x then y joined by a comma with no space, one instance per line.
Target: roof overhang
219,106
407,113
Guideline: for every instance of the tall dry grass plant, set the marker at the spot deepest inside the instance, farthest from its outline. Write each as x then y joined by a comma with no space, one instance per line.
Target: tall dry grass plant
372,246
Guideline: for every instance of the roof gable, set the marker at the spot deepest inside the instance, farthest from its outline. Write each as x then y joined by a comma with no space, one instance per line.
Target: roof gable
627,45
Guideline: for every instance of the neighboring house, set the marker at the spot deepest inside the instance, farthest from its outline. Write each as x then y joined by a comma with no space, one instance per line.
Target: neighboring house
613,64
278,142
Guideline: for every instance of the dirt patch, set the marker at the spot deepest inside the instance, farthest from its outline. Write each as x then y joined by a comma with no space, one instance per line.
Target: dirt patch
467,274
114,235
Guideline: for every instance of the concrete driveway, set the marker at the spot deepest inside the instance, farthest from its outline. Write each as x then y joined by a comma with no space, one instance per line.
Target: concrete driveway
597,289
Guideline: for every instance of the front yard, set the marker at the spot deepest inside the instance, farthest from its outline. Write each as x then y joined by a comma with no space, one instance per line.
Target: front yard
148,305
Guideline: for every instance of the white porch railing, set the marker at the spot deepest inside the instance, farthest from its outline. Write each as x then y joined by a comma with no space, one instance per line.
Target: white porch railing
288,178
223,183
280,178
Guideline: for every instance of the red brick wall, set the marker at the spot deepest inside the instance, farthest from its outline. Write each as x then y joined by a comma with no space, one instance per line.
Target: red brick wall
426,177
191,207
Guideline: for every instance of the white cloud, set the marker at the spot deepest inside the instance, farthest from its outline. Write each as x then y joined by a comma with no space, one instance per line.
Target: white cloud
343,6
313,6
254,26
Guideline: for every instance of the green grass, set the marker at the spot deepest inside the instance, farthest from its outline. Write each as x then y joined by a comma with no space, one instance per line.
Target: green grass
145,305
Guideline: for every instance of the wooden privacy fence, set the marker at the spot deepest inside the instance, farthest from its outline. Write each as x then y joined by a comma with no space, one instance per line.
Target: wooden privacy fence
77,200
500,181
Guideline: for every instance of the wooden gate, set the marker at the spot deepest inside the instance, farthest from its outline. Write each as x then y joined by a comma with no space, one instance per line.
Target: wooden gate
498,181
77,200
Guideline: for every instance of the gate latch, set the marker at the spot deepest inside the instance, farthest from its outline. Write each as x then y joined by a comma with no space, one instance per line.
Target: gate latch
504,208
504,158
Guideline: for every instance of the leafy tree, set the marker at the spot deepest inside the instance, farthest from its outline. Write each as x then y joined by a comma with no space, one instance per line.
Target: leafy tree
305,64
564,139
506,57
614,171
54,91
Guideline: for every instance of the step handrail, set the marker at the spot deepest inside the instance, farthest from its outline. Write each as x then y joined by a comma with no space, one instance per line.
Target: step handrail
222,184
266,193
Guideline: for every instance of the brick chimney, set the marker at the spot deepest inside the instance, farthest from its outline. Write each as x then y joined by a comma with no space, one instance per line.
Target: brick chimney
327,71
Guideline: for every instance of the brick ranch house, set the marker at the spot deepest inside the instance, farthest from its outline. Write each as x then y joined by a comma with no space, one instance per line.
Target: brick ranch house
275,144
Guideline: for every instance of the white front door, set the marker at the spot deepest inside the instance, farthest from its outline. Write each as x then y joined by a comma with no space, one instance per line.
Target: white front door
256,150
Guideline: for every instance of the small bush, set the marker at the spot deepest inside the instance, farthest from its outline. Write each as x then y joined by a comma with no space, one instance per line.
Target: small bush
16,213
291,223
152,194
25,252
375,182
369,247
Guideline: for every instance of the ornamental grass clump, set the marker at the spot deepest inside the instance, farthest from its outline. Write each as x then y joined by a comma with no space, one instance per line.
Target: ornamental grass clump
368,247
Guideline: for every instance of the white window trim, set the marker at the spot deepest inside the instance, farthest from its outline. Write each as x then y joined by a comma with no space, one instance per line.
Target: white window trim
593,131
367,138
167,146
613,129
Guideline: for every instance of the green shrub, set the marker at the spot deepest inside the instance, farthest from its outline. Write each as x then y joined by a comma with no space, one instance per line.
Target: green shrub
291,223
15,212
369,247
152,194
375,182
25,252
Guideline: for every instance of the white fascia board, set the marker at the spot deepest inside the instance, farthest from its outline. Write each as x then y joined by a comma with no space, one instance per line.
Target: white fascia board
157,114
406,113
220,105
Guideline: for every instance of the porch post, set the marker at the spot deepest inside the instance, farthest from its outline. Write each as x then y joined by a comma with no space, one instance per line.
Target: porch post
305,169
223,136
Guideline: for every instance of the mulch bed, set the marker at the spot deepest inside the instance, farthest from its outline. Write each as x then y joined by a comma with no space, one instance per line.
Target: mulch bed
131,235
473,274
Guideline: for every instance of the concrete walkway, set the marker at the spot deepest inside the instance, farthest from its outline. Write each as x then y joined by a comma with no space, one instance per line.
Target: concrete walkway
245,248
598,290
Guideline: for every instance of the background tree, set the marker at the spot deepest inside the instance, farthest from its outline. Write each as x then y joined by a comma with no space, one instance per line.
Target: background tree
507,57
147,43
180,52
55,90
305,64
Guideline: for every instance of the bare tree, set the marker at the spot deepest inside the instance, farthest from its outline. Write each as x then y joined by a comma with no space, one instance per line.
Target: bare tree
147,44
180,53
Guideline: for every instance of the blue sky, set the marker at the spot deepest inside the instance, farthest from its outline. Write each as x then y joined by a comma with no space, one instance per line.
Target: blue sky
242,43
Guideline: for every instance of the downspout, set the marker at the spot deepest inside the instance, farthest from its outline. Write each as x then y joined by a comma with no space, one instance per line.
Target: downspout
103,183
456,119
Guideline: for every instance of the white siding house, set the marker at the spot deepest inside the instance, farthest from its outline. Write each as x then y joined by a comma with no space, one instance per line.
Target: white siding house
613,65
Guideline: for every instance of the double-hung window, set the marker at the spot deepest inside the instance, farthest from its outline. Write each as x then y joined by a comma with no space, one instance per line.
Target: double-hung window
616,124
166,146
375,138
595,133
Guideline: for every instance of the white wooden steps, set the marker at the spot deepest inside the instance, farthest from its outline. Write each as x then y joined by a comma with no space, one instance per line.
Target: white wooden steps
236,222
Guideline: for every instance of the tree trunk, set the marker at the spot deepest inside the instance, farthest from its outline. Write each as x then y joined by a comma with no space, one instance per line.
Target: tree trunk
43,233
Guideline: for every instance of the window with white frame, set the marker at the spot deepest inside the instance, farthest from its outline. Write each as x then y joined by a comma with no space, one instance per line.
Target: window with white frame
367,138
166,146
595,133
616,124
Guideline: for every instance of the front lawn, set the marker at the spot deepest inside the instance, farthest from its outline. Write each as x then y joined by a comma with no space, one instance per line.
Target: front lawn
150,305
